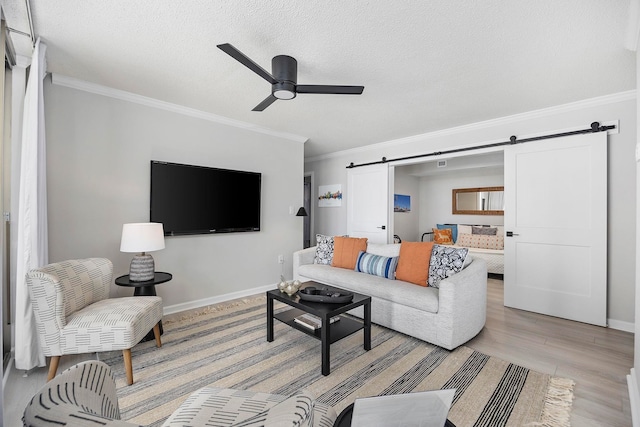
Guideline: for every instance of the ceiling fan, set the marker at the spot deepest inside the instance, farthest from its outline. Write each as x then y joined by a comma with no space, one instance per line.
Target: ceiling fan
283,78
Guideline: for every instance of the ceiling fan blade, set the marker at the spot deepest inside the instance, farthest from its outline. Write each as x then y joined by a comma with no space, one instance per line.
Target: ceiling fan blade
264,104
340,90
247,62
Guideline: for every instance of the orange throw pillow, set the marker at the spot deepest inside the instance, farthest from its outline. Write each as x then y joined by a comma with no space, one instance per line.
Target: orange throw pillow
442,237
346,251
413,264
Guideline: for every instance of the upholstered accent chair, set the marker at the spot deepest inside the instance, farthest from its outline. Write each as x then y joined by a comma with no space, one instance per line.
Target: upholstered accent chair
75,315
85,394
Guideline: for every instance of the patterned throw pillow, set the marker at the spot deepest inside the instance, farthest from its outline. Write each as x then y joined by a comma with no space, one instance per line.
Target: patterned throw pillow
453,227
445,261
324,249
377,265
443,236
485,231
481,241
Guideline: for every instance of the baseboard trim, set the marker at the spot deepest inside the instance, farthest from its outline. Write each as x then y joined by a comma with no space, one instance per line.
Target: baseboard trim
621,325
176,308
634,398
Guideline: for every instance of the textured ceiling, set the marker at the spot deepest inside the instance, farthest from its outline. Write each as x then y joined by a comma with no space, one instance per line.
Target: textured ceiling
425,65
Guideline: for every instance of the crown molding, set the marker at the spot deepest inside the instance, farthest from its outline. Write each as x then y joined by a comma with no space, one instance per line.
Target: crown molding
545,112
97,89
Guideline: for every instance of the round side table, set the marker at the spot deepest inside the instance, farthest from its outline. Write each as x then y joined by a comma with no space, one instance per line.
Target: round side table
146,289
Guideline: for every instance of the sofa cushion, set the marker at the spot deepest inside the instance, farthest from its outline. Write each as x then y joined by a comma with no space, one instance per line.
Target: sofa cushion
445,261
324,249
384,249
346,251
397,291
413,264
377,264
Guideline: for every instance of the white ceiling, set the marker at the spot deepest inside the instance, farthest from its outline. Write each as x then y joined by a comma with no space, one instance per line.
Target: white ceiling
425,65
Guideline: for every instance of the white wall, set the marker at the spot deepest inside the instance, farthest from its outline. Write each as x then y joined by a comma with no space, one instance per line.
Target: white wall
407,224
621,250
435,197
98,154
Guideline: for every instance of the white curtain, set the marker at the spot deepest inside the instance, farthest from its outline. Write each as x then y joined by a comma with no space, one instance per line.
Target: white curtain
32,212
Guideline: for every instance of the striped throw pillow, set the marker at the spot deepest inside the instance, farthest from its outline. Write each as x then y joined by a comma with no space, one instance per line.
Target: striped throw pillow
377,265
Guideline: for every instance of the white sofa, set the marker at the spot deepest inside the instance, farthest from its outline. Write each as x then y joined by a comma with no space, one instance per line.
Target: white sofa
447,317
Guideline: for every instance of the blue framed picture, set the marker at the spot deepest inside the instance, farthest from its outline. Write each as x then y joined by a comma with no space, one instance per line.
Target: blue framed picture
401,203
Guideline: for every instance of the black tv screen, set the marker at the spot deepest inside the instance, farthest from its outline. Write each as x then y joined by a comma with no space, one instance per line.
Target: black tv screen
189,199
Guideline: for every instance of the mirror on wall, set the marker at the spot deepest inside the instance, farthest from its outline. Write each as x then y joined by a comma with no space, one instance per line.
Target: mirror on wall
478,201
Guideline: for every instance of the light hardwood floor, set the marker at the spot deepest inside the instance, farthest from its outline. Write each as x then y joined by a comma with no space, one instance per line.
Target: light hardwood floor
598,359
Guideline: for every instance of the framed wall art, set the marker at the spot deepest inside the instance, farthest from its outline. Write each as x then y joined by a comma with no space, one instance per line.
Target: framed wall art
329,195
401,203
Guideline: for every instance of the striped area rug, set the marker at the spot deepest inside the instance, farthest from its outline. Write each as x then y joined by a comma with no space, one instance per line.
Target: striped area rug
225,346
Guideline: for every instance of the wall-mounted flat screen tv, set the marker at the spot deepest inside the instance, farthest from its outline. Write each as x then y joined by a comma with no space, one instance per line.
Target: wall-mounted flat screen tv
190,199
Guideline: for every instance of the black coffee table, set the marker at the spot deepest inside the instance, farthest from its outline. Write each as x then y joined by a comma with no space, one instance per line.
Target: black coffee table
330,332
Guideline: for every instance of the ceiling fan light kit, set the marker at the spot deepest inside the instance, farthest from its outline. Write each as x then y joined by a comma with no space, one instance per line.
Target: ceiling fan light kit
284,78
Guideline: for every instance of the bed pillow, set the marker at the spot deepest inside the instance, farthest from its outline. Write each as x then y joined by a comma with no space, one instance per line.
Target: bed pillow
346,251
324,249
453,227
413,263
485,231
445,261
481,241
442,236
377,265
464,229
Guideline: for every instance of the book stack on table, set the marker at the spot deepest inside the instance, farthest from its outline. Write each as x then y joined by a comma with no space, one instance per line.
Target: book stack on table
312,322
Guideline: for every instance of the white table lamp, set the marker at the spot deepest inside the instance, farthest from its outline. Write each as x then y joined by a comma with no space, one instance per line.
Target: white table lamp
141,238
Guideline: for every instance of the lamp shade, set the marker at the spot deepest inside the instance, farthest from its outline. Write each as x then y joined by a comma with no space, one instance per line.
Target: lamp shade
142,237
302,212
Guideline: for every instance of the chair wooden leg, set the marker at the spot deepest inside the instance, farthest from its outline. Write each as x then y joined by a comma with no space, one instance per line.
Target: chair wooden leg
156,334
128,367
53,367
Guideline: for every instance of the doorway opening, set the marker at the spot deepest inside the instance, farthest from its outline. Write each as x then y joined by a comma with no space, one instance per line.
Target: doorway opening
306,234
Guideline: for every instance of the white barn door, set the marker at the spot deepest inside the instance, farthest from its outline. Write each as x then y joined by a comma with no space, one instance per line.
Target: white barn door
556,208
368,202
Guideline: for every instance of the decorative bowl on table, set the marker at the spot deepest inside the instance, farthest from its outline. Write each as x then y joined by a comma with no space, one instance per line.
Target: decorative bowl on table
325,294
